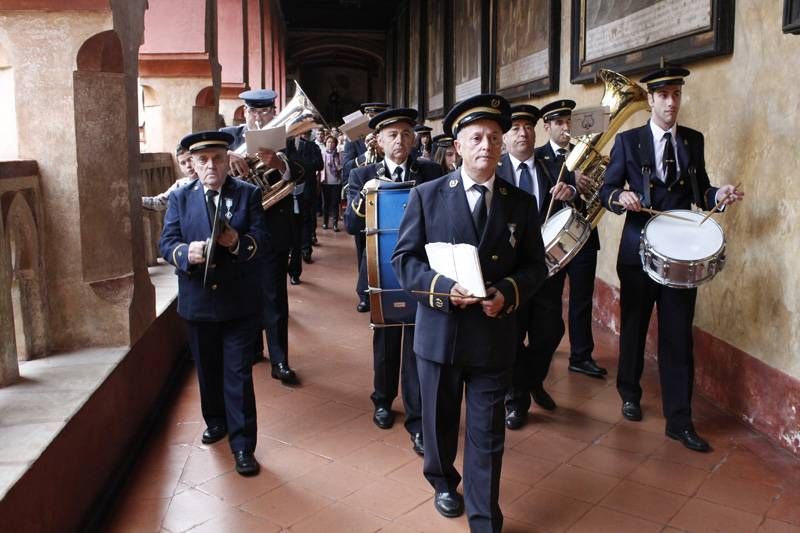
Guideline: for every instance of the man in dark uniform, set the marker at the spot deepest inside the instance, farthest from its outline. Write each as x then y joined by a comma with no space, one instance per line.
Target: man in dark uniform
353,149
392,346
304,152
259,110
462,342
664,167
557,118
540,320
221,314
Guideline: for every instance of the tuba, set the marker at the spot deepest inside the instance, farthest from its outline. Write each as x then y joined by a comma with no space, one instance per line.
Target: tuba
623,97
298,116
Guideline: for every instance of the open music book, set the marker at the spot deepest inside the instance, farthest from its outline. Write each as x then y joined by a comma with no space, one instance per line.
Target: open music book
459,262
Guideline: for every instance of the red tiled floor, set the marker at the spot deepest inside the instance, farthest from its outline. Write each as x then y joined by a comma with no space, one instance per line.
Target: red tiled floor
327,468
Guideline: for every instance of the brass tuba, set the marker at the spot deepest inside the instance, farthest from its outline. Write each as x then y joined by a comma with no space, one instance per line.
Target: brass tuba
623,97
298,116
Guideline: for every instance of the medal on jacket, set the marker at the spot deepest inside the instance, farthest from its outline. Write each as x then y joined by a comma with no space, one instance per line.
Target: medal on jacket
228,205
512,238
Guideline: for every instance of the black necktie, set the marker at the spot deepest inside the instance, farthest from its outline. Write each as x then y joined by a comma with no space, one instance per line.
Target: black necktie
479,212
212,209
670,168
525,179
398,174
562,154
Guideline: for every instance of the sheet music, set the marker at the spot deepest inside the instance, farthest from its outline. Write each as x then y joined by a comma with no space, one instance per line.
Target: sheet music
459,262
266,139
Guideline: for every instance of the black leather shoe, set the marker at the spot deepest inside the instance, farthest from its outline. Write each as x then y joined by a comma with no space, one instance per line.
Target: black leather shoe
307,258
246,464
690,439
363,306
324,226
588,367
295,280
282,372
214,433
417,444
542,399
383,418
449,504
336,228
632,411
515,419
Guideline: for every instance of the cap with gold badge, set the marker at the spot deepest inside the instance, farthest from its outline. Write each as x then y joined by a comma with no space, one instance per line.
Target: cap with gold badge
480,107
259,98
526,112
206,139
559,108
374,107
666,75
393,116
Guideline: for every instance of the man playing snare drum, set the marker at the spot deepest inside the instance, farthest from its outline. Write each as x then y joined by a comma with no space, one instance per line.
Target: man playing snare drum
664,167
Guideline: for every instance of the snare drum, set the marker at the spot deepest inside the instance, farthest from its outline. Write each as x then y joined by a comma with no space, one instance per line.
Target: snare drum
385,204
564,234
682,254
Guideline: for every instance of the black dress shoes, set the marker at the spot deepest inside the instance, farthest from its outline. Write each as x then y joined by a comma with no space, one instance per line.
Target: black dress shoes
214,433
295,280
246,464
632,411
542,399
363,306
449,504
383,418
417,444
515,419
282,372
336,228
690,439
307,258
588,367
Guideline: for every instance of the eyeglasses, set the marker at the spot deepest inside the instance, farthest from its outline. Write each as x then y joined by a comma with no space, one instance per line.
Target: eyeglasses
261,110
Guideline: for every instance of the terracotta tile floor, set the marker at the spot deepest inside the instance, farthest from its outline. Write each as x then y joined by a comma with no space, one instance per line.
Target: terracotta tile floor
327,468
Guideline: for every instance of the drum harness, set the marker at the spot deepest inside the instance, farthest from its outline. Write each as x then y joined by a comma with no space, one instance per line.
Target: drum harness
646,141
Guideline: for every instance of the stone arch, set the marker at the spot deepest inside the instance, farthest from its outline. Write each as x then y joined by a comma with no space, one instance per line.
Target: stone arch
101,53
205,98
27,288
8,113
238,116
204,112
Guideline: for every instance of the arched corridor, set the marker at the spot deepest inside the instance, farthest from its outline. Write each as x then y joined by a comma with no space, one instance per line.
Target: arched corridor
326,467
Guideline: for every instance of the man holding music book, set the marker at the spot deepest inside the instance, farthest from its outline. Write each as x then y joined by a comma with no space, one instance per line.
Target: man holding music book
465,345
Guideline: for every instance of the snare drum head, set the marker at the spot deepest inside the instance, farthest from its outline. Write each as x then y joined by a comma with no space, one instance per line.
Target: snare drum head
555,224
682,240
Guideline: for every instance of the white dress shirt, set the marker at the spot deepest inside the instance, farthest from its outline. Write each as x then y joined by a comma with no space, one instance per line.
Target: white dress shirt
473,195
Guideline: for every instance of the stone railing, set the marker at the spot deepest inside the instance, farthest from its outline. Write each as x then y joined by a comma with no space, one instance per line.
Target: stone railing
23,326
157,174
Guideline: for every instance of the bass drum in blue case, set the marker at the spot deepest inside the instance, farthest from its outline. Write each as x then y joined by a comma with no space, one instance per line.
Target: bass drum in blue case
386,202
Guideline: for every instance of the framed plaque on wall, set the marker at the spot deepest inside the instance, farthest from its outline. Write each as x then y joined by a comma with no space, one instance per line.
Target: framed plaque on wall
526,48
470,48
435,55
633,35
791,16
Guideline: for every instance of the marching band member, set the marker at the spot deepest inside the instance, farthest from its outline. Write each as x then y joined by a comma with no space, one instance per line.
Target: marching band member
395,134
663,165
540,319
222,317
353,149
159,201
557,118
465,345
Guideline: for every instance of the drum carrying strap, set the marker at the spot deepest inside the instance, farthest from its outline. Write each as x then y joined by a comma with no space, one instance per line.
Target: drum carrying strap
647,157
692,170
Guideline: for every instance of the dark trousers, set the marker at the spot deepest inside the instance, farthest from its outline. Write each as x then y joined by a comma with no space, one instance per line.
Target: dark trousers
540,319
332,195
393,360
296,229
442,388
275,318
675,308
309,220
581,271
361,282
222,353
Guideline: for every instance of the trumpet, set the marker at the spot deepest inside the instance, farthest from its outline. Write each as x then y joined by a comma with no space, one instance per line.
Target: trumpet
298,116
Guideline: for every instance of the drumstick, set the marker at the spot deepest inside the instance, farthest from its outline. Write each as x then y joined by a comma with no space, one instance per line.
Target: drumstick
448,295
553,198
657,212
716,207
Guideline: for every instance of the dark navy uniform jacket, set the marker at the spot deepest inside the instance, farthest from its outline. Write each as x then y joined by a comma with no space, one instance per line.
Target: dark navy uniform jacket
236,278
419,171
512,260
632,149
353,149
